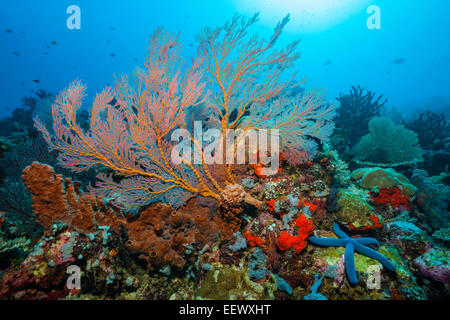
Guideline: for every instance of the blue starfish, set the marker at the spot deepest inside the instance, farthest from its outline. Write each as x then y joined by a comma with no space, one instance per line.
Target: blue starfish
353,244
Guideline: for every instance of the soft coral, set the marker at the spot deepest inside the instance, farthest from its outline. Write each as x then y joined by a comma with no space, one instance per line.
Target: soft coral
299,242
391,196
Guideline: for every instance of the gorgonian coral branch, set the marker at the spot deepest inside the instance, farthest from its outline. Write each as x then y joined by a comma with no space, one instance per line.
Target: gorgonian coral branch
247,91
130,126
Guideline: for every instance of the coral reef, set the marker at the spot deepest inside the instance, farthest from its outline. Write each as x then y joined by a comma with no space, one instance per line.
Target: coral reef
433,132
435,264
43,274
431,128
434,199
164,221
233,283
7,246
353,114
408,238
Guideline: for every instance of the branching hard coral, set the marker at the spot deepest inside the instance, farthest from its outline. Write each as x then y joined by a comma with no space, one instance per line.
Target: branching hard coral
353,114
388,144
431,129
131,126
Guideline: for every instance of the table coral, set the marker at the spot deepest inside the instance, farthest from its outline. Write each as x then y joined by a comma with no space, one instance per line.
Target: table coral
388,144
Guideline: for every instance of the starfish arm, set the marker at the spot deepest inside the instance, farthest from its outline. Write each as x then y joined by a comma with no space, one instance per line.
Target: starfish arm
350,263
337,230
368,252
327,242
367,241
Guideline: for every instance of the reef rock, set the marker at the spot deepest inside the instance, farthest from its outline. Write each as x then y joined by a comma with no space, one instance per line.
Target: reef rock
435,264
369,178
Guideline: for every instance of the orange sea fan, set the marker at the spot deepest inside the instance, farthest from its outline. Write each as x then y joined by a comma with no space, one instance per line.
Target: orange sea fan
130,137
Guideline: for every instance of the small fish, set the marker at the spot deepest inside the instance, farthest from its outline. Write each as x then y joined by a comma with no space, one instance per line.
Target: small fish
388,72
112,54
398,61
112,28
74,67
9,31
327,63
54,43
135,59
45,53
36,80
22,83
16,53
107,41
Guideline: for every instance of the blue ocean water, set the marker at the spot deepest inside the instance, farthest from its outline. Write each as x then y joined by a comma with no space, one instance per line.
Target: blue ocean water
334,56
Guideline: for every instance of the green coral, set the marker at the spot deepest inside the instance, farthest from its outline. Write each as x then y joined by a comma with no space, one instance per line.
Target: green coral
233,283
442,235
334,256
368,178
352,208
388,144
12,244
274,189
407,280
